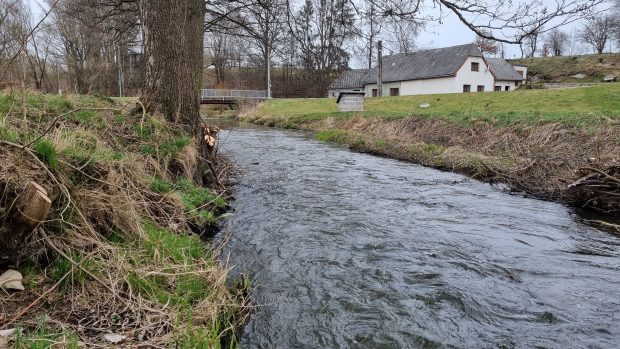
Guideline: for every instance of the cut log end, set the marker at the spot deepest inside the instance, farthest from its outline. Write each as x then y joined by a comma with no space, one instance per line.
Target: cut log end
32,205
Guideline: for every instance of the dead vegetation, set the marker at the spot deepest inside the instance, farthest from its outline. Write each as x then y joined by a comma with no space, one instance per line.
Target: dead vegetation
575,165
118,257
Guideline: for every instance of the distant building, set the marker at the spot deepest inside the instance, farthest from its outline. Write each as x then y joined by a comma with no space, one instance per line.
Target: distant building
453,69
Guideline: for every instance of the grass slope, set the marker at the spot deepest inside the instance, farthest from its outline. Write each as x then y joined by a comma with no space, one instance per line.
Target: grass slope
576,106
119,252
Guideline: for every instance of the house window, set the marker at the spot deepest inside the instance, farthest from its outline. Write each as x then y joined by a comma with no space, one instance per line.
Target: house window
521,72
498,88
506,88
394,91
374,92
466,88
475,66
480,88
517,83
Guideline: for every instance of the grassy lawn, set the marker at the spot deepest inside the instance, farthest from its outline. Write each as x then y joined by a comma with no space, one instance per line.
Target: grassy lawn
577,106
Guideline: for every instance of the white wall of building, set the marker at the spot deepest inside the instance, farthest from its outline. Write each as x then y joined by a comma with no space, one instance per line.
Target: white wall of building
521,69
510,84
429,86
482,77
453,84
386,86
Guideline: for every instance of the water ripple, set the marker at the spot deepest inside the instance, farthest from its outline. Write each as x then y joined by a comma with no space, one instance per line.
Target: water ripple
348,250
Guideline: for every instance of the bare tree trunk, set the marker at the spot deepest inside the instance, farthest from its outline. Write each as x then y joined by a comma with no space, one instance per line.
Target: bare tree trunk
173,49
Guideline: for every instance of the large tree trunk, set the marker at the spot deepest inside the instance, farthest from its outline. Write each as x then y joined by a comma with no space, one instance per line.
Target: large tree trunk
173,51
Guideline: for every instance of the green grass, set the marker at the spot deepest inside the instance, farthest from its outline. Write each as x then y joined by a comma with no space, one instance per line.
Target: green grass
58,104
46,151
192,196
334,136
174,146
43,338
77,276
83,116
575,106
6,101
164,247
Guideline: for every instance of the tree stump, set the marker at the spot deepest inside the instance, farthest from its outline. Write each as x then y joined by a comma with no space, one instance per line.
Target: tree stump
28,210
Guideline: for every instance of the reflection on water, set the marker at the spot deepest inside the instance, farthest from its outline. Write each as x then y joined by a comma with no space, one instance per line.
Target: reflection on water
348,250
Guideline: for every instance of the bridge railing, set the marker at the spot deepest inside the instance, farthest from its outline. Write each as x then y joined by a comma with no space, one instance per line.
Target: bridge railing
233,94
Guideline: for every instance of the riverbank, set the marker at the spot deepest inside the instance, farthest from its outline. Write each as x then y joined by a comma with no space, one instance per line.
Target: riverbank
559,145
119,259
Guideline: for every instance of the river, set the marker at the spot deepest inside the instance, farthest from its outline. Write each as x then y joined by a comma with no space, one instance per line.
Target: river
348,250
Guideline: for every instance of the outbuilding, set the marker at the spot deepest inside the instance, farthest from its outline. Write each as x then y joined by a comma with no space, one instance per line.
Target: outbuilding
351,100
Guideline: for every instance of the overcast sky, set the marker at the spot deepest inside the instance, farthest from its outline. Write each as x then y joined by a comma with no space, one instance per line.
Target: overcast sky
448,33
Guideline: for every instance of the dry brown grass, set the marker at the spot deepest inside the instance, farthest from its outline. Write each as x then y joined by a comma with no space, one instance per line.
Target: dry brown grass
116,255
546,160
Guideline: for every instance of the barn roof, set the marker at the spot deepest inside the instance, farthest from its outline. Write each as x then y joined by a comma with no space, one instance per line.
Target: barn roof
355,78
502,70
426,64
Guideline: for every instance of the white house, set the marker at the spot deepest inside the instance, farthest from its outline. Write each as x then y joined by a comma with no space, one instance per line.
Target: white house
453,69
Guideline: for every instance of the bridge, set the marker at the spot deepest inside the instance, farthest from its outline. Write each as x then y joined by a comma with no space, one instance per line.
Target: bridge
213,96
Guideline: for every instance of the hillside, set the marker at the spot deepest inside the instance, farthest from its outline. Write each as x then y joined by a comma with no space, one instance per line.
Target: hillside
563,68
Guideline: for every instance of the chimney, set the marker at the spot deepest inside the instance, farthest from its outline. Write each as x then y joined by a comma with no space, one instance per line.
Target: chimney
379,68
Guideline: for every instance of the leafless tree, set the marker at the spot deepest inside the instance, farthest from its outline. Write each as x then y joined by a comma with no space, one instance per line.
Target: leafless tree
487,46
405,34
529,44
597,32
556,40
11,31
508,21
616,16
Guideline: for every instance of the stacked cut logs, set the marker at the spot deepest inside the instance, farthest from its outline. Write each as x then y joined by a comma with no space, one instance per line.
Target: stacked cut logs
26,212
210,134
598,189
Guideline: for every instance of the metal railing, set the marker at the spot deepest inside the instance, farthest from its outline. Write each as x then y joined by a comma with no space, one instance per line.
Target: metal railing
233,94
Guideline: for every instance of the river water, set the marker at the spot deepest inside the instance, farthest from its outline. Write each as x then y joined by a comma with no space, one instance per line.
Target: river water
347,250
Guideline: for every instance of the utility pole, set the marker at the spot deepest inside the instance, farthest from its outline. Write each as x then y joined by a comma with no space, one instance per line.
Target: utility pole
268,72
379,68
58,78
121,77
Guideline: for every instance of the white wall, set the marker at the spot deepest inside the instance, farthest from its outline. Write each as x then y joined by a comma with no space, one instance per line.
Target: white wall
474,78
429,86
386,86
464,76
511,85
521,68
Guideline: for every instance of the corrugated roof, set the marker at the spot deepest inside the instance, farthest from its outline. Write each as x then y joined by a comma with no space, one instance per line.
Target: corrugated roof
355,78
502,70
